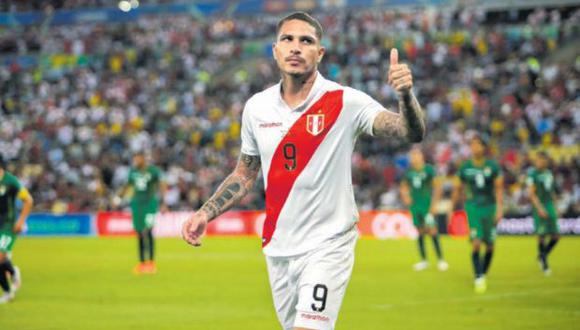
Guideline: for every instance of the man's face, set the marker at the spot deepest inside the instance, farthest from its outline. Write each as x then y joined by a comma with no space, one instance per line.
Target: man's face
139,160
541,162
477,148
297,49
417,159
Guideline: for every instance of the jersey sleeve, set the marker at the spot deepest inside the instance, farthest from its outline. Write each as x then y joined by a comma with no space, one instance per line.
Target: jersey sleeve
405,177
497,172
364,108
159,177
249,144
14,183
431,171
130,178
461,172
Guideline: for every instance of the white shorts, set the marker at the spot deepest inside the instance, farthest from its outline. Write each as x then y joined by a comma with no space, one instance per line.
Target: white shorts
308,288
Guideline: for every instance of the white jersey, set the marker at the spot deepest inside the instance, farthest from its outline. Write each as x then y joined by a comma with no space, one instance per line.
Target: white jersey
306,157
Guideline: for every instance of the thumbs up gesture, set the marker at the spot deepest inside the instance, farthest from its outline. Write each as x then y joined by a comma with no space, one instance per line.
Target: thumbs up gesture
400,77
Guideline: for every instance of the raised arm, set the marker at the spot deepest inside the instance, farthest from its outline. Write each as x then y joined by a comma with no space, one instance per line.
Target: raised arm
228,194
409,123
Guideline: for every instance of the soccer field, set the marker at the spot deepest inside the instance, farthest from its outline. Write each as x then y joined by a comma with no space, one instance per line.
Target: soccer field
80,283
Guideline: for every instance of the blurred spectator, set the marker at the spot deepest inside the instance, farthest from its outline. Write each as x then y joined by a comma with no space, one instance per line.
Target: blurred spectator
176,86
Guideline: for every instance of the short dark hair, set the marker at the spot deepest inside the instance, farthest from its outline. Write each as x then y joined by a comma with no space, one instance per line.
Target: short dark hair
543,154
482,138
302,16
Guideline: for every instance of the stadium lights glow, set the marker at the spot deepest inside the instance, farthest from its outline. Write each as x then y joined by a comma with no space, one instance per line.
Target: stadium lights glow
124,6
134,4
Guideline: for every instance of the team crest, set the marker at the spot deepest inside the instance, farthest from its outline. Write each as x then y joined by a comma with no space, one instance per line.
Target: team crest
315,124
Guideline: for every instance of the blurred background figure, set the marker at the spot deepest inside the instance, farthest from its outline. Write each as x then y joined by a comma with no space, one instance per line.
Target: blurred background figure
11,224
543,194
144,186
482,190
420,192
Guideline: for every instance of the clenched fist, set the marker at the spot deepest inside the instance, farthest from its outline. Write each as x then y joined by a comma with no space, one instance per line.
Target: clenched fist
400,77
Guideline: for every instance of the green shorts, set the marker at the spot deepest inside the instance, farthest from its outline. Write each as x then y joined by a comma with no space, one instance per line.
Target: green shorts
481,220
143,215
547,226
422,218
7,239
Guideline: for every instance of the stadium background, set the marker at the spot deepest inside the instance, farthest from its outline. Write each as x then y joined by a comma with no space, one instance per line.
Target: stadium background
84,84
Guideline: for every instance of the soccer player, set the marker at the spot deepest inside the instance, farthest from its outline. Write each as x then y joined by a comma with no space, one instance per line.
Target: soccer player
144,182
541,190
11,225
301,132
418,185
482,182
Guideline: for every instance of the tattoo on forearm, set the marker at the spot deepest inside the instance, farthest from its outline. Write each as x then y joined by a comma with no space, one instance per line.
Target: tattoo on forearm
413,116
409,123
234,187
222,199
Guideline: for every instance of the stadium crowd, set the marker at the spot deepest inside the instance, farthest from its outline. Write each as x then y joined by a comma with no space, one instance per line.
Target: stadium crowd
176,86
49,5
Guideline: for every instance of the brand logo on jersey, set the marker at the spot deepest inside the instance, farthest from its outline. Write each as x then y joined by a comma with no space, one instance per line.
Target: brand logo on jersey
487,171
315,124
270,125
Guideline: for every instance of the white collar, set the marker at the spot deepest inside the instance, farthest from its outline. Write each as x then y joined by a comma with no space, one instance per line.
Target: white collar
316,86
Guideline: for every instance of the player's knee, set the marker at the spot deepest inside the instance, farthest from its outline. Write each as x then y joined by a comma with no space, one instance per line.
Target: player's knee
556,237
476,245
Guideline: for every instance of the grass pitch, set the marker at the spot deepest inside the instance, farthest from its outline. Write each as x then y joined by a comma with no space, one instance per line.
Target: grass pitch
87,283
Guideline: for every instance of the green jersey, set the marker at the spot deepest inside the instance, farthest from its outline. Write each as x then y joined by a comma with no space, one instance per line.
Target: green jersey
544,183
479,181
145,184
9,189
420,185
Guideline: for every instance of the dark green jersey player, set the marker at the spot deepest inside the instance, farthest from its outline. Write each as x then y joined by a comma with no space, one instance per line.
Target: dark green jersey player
11,224
420,192
482,184
541,190
145,181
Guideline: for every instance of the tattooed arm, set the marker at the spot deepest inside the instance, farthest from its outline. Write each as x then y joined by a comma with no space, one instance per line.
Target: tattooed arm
230,192
409,123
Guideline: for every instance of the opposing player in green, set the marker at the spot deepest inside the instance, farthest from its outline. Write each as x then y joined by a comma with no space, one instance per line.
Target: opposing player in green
11,224
145,181
420,192
482,183
542,194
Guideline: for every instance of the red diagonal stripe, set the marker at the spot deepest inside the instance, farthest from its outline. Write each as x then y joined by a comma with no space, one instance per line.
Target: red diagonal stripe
281,180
